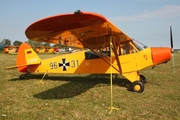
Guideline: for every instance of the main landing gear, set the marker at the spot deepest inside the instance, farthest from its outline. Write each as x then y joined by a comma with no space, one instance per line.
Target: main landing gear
138,86
143,79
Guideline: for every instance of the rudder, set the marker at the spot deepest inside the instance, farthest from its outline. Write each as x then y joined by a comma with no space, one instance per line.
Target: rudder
26,56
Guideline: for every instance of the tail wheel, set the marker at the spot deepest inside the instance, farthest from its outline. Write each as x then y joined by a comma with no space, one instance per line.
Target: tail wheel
138,86
143,79
23,76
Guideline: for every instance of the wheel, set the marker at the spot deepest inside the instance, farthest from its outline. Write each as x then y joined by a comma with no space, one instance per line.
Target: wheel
22,76
143,79
137,86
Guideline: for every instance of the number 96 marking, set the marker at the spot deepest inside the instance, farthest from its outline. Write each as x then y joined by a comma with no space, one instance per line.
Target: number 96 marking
53,65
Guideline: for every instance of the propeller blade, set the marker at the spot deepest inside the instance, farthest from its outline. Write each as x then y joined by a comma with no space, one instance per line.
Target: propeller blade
172,48
171,40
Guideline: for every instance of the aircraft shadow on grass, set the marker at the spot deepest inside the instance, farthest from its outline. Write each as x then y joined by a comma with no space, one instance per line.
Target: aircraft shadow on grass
76,85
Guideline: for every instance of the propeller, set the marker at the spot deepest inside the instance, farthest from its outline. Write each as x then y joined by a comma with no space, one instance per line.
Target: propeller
172,48
171,40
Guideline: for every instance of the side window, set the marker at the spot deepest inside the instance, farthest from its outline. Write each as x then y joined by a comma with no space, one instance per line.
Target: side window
126,48
91,55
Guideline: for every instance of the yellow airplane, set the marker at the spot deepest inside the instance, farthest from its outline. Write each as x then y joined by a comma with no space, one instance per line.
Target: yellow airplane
44,49
11,49
107,49
49,50
40,49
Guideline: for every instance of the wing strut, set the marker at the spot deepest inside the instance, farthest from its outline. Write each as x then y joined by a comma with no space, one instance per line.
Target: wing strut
115,52
98,54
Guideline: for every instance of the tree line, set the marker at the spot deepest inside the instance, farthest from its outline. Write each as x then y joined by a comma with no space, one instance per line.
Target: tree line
7,42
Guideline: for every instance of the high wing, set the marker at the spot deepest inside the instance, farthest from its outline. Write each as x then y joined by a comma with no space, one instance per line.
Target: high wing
79,29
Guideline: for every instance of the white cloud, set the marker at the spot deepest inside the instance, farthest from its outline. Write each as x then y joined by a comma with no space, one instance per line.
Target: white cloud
168,11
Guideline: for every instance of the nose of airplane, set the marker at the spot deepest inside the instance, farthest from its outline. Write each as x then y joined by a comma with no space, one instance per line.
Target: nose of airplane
161,54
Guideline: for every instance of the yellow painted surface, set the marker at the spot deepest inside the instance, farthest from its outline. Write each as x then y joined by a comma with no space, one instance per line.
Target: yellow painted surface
41,50
76,63
31,57
136,61
6,50
10,50
132,76
50,50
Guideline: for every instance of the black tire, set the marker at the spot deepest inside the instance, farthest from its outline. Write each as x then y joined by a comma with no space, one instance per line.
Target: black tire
138,86
22,76
143,79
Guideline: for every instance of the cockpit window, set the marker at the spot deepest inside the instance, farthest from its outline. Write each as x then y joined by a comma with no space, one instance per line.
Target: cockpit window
127,47
91,55
139,45
131,47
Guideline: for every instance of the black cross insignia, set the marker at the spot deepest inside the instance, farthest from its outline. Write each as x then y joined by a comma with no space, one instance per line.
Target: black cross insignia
64,64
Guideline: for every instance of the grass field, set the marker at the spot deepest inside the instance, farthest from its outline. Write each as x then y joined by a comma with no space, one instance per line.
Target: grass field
87,97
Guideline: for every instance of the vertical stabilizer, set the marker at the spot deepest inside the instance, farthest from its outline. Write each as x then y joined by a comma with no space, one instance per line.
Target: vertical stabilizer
26,56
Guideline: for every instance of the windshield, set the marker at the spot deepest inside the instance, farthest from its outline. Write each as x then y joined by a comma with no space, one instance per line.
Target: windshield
139,45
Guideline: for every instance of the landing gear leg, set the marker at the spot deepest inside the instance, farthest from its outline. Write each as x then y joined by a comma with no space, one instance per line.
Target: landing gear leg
137,81
143,79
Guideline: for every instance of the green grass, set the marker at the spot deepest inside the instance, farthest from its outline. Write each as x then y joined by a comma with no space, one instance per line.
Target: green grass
1,51
87,97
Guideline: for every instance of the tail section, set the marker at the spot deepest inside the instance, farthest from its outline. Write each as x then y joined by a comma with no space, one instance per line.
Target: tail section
26,57
6,50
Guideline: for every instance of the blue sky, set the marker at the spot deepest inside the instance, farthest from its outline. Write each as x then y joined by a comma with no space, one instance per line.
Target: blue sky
147,21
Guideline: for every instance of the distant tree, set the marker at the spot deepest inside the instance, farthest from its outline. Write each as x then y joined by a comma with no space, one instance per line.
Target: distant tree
46,44
6,42
34,43
17,43
58,45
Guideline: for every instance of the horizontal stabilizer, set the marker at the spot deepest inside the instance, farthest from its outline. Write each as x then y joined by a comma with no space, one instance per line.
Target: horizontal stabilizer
12,67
